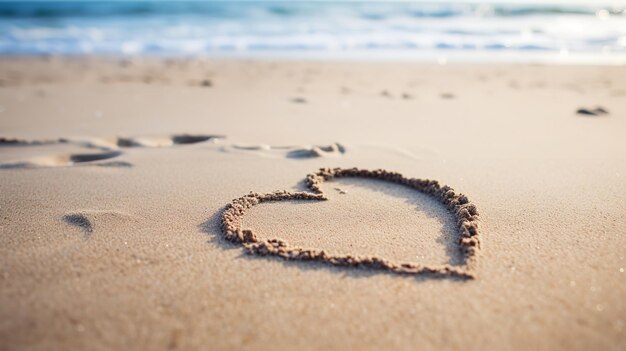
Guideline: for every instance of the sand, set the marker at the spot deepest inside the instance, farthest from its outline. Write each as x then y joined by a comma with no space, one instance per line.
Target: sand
463,246
115,175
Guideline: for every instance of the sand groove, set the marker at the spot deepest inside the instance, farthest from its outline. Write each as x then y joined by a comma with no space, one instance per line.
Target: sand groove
458,204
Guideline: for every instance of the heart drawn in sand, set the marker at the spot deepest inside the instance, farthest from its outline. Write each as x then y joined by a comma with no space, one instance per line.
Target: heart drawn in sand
458,204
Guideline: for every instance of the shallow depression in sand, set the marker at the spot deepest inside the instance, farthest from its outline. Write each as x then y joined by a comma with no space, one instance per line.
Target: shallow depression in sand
57,154
363,217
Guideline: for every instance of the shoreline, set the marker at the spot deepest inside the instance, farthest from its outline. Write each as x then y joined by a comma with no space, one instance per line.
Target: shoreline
447,57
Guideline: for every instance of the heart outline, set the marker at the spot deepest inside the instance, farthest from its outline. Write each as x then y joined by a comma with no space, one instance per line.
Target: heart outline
458,204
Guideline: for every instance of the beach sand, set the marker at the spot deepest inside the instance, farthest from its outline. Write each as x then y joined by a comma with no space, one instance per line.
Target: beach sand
114,175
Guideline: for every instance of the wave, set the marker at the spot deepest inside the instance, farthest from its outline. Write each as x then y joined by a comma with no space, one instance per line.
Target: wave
220,9
192,27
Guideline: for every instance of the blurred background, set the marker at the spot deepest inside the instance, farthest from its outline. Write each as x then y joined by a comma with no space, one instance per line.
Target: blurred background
565,31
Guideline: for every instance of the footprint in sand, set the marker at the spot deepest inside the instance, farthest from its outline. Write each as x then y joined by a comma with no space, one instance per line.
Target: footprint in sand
291,152
62,152
176,139
357,213
88,221
58,155
331,150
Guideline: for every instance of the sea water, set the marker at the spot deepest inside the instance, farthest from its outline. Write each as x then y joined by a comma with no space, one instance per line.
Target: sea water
516,31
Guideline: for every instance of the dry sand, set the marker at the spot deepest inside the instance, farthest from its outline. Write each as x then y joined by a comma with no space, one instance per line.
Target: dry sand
114,176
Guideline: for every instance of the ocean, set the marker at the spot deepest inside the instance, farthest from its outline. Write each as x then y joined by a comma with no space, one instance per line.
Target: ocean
441,31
